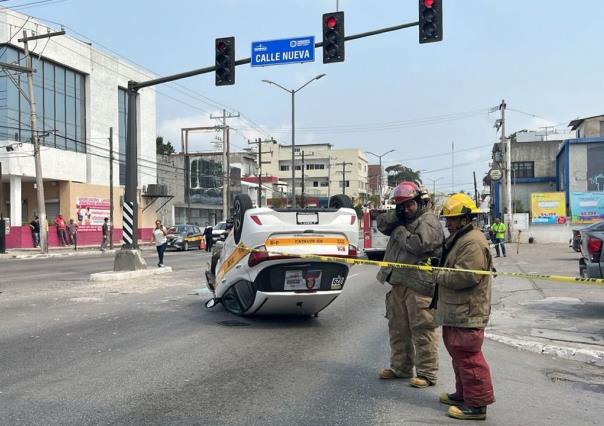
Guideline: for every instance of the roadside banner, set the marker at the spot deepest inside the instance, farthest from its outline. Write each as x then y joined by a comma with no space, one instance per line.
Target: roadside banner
586,207
548,208
91,213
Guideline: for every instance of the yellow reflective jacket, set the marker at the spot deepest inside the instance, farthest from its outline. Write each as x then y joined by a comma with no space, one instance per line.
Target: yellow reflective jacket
499,230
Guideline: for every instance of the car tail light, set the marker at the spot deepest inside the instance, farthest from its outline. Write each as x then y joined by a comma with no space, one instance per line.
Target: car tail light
256,219
594,248
261,255
352,251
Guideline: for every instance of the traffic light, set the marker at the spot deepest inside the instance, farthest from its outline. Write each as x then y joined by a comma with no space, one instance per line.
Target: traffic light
333,37
225,61
430,21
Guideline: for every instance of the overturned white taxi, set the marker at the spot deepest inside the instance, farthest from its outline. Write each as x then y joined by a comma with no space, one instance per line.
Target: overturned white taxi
256,270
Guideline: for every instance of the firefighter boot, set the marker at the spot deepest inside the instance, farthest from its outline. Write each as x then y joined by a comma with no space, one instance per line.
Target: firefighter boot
464,412
450,399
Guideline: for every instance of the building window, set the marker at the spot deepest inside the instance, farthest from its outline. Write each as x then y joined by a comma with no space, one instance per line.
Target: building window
60,101
284,167
324,184
313,166
523,169
315,184
298,167
347,184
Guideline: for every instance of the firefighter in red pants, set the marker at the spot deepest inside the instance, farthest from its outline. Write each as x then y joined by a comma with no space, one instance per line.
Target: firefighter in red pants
463,305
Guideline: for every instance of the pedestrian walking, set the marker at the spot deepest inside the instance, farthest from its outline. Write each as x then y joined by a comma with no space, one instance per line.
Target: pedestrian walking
105,229
463,305
72,232
207,234
161,241
61,230
499,229
416,235
35,231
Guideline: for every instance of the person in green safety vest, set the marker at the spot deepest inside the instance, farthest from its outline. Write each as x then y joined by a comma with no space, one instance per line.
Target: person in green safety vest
499,229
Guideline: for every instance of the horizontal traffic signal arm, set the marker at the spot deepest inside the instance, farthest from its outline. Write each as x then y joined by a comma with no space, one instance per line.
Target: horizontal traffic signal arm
135,86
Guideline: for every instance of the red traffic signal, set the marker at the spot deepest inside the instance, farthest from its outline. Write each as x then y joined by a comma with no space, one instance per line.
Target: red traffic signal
430,21
333,37
225,61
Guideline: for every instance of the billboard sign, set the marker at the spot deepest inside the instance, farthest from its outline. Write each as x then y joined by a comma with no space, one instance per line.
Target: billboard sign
548,208
91,213
586,207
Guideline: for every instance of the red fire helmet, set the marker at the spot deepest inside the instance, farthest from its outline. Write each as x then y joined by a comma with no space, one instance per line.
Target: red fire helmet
404,192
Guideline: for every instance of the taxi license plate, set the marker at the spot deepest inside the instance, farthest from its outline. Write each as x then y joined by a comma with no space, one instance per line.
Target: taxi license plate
302,280
307,218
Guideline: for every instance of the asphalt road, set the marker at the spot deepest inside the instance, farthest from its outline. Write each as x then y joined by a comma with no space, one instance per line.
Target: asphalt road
148,352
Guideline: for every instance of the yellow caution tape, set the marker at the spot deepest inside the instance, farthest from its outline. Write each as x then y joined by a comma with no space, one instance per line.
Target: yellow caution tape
428,268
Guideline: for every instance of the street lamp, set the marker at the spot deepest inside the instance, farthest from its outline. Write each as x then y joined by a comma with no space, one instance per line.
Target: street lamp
381,174
434,185
293,93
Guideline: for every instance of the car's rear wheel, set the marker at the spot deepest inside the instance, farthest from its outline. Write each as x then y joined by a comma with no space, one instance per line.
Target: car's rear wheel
242,203
186,246
340,201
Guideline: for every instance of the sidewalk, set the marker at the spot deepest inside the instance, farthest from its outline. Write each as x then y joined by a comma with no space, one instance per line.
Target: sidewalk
553,318
34,253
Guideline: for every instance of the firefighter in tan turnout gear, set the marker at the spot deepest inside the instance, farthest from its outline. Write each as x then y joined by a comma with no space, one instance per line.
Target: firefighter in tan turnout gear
463,305
416,235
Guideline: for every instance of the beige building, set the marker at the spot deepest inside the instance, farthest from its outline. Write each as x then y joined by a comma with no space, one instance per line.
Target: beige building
322,168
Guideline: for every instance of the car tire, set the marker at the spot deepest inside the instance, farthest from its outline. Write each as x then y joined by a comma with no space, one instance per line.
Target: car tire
340,201
242,203
185,247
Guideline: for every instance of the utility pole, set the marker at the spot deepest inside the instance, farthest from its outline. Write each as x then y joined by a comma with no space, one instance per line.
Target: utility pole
302,196
34,136
453,166
507,183
226,165
187,176
259,142
111,188
475,190
344,164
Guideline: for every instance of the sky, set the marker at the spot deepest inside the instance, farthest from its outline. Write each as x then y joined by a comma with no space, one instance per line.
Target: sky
543,57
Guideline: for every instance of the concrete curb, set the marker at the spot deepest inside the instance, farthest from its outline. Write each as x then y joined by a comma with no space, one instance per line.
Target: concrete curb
128,275
589,356
54,255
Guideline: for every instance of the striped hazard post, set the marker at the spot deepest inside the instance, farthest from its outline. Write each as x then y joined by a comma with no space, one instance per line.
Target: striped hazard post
128,222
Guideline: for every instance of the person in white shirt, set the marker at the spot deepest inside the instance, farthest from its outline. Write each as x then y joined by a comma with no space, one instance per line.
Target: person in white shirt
161,241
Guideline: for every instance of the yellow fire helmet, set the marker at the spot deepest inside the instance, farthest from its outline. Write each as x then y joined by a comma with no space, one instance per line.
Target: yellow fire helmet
459,205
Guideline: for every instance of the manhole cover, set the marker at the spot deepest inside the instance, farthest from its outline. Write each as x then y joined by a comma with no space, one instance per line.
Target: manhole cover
233,323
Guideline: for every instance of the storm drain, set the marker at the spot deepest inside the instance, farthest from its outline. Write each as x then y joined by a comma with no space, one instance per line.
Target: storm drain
234,323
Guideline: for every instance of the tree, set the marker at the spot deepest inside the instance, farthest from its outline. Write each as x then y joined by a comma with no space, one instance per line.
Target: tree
163,148
398,173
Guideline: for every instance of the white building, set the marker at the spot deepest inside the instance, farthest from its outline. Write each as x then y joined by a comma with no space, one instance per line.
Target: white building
323,170
79,95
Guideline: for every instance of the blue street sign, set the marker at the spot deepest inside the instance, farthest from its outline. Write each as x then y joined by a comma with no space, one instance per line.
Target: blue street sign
284,51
